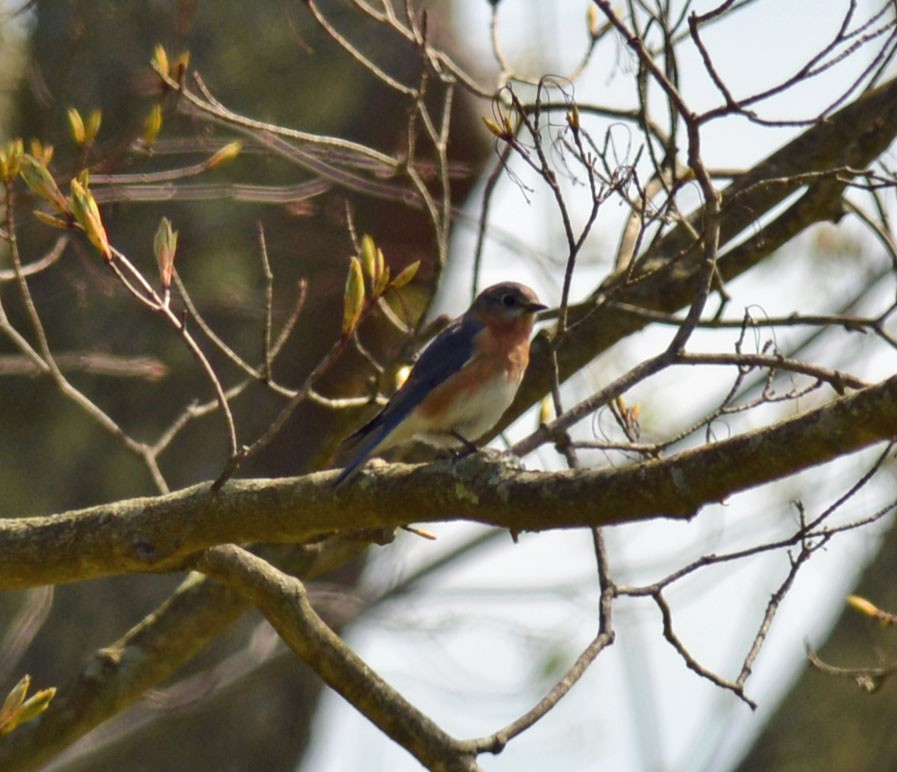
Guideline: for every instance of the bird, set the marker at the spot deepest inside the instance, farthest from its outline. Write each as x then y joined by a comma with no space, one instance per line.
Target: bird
462,383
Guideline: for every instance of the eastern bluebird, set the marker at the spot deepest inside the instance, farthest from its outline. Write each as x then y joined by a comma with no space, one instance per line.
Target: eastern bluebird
464,380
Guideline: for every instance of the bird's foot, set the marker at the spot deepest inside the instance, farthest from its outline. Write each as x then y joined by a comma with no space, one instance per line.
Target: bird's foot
467,447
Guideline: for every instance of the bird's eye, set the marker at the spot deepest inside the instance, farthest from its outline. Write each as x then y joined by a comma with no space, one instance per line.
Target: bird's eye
508,301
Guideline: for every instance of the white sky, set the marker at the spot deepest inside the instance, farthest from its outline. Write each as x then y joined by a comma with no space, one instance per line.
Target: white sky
480,645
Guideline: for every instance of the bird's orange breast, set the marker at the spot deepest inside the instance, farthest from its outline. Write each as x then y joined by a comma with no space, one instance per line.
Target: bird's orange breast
497,366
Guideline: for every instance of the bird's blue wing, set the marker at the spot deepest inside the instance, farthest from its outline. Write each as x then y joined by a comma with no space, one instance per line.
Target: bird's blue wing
447,354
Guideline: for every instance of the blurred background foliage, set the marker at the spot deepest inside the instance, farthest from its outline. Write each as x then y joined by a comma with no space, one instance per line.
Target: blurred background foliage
270,61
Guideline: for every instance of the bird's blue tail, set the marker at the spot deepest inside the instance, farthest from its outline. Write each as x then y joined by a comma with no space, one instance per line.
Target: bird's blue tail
362,455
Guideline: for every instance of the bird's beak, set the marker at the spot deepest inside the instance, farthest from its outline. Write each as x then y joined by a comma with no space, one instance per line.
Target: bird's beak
536,307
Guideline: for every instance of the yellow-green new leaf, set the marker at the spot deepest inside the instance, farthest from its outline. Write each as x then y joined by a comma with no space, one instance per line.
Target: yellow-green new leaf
592,21
353,299
179,66
546,410
87,213
92,127
862,605
871,610
160,60
11,159
152,125
406,275
38,178
380,269
76,125
12,705
16,710
36,704
165,246
494,128
369,258
43,153
382,280
49,219
225,154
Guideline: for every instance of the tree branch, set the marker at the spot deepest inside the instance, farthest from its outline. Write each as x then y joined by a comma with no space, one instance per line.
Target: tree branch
118,675
665,277
284,602
162,533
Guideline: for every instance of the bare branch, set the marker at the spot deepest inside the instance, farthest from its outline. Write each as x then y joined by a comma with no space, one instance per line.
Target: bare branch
283,600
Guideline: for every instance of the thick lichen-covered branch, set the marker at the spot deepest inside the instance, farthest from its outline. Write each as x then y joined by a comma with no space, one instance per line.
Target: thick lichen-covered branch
164,532
284,602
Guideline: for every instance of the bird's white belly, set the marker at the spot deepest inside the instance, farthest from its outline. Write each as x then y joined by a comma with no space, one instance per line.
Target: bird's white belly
471,418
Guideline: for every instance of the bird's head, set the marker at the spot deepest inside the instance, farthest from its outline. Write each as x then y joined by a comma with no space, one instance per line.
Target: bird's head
506,303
